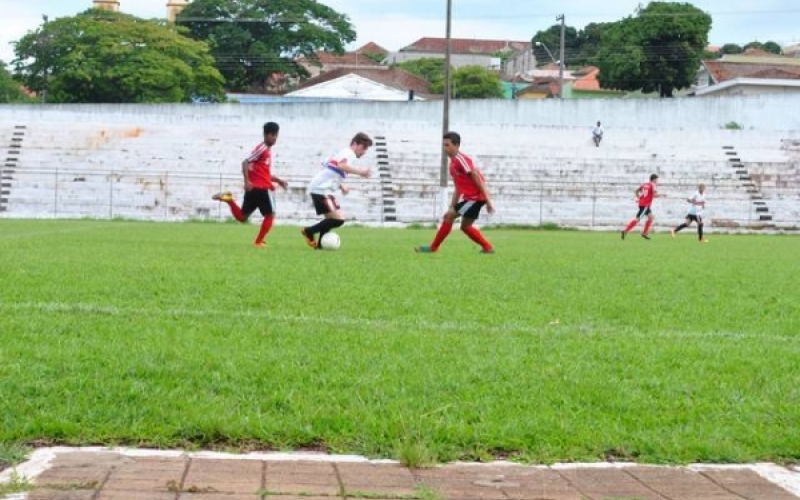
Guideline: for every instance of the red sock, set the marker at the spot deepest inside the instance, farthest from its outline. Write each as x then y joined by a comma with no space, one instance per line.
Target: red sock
647,225
236,211
475,235
266,225
631,225
441,234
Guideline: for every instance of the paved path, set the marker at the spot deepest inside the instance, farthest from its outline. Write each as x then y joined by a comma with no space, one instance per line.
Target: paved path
130,474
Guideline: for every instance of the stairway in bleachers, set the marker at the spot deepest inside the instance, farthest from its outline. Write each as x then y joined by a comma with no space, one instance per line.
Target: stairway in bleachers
13,149
752,190
385,176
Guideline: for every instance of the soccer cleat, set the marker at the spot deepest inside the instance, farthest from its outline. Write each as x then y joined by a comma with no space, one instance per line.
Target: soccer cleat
423,249
672,232
704,240
622,233
260,245
646,236
483,250
309,240
226,197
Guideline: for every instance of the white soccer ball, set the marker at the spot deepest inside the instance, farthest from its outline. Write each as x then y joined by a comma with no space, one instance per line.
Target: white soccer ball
331,241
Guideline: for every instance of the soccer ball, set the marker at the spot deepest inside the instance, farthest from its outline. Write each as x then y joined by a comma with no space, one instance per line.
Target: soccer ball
331,241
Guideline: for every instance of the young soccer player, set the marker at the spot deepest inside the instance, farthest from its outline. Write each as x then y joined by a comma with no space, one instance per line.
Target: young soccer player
328,181
470,194
695,214
259,185
645,193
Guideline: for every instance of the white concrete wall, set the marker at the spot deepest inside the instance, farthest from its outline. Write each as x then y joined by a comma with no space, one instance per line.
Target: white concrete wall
164,162
763,112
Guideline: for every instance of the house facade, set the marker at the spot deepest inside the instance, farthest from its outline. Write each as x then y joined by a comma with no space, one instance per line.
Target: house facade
752,72
509,58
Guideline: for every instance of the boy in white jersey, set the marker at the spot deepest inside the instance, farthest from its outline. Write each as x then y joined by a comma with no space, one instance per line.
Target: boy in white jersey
331,179
695,213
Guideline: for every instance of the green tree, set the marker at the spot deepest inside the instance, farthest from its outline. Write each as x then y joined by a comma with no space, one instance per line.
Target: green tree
551,38
587,45
427,68
101,56
10,89
472,82
772,47
659,50
731,48
252,39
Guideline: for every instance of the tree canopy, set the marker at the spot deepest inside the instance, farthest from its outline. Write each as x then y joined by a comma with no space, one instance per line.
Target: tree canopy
101,56
10,89
468,82
252,39
659,50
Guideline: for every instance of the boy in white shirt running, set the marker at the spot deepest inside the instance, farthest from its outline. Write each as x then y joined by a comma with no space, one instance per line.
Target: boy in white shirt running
695,213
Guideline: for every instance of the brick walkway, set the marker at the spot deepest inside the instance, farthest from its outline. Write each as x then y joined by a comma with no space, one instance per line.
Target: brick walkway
63,474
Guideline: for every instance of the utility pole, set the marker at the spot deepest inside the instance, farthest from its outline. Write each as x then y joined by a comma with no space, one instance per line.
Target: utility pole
561,60
446,111
46,84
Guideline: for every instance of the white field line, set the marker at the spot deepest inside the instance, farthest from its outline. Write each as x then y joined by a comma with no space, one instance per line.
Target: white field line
51,232
407,324
42,459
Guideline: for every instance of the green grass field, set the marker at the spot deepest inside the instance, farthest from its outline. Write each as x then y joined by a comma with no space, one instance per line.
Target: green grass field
563,346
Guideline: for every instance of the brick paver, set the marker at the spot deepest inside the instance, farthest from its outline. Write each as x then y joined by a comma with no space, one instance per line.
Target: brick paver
114,476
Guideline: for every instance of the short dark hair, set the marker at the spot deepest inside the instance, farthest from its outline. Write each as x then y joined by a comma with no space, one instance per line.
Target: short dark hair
271,128
654,177
362,139
454,137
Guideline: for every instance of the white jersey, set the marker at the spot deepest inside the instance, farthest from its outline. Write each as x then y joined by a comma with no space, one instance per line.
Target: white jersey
598,131
698,202
329,179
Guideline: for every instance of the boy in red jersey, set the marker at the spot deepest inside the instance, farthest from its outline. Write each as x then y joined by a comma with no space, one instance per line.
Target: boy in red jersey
470,194
259,185
645,193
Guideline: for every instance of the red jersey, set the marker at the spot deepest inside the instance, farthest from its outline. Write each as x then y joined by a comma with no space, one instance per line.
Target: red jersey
461,166
647,192
260,168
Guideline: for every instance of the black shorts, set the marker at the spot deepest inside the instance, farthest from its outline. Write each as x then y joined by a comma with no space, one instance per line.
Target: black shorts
262,199
643,211
470,209
324,203
694,218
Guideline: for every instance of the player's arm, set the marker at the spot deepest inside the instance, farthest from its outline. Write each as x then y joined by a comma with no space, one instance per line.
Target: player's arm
346,167
246,174
484,189
282,183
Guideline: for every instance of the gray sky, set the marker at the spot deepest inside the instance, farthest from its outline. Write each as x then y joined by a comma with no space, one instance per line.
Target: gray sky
396,23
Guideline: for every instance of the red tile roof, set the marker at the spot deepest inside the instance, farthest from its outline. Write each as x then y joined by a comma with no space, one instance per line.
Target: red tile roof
721,70
371,48
465,46
391,77
587,78
353,58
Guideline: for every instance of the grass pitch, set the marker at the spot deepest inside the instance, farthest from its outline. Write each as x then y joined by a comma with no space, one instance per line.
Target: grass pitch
562,346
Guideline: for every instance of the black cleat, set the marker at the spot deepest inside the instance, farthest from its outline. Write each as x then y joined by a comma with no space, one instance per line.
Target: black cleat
646,236
623,234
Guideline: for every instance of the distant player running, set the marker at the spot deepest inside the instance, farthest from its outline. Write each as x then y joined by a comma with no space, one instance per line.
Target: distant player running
470,194
695,214
259,185
645,193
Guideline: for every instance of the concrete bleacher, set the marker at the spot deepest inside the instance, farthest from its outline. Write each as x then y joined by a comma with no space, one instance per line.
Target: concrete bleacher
141,166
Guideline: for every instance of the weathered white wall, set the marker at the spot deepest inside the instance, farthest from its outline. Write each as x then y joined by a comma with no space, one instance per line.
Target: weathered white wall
762,112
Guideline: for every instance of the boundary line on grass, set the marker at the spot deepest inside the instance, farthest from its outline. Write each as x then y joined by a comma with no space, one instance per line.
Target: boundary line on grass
554,327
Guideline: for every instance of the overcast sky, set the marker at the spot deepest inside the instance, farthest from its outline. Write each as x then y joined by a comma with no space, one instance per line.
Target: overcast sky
396,23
